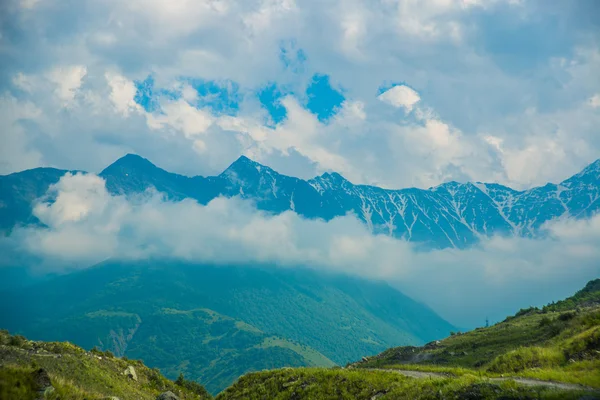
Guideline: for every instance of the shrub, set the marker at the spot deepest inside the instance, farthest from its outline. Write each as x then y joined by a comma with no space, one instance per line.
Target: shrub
192,386
587,341
527,357
525,311
567,315
17,341
109,354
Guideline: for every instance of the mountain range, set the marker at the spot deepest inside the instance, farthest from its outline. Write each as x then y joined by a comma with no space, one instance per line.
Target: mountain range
448,215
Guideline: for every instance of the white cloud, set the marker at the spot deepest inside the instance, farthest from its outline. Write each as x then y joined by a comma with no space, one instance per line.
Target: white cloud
122,93
182,116
67,80
87,225
400,96
595,101
16,151
29,4
268,10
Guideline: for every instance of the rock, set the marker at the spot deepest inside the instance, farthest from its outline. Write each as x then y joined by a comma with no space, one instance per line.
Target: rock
479,391
365,359
111,398
379,394
130,373
41,379
432,345
42,382
167,396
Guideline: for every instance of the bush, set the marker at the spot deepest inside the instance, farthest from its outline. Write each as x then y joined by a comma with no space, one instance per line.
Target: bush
526,311
567,316
17,341
545,321
526,358
109,354
585,342
192,386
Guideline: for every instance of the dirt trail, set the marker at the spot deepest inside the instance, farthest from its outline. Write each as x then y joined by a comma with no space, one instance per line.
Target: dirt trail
521,381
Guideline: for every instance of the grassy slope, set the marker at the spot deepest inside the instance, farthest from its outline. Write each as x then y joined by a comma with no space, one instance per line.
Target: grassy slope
213,348
77,374
318,383
560,342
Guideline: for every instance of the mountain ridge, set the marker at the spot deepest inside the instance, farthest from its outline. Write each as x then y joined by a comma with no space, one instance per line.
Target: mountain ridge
451,214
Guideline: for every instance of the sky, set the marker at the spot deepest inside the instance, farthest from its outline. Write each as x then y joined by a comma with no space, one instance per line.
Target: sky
394,93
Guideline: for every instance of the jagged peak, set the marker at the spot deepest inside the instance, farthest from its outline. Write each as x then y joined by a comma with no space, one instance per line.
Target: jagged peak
450,185
593,168
130,160
244,163
329,180
332,177
591,171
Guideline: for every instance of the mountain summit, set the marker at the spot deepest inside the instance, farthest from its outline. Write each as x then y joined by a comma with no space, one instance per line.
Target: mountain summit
449,215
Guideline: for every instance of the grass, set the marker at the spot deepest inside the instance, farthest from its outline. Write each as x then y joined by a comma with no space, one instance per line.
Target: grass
527,358
560,342
317,383
77,374
312,357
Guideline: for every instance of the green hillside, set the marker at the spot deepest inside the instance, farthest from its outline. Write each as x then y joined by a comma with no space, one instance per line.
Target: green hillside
216,323
62,371
548,353
329,384
559,342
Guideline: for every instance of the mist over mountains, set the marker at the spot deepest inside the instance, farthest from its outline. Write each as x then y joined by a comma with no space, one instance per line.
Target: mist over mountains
448,215
529,247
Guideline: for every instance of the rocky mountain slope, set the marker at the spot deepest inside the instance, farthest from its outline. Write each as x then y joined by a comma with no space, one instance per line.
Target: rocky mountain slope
449,215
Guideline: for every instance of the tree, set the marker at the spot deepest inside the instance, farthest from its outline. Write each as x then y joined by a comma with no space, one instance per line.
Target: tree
180,379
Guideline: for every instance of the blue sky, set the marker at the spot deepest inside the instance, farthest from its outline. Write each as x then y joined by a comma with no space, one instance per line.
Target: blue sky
392,92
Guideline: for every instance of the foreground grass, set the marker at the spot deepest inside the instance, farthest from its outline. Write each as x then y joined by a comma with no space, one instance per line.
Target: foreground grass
316,383
77,374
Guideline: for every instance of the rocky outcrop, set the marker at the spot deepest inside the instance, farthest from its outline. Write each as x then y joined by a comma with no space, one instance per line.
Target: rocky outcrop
130,373
167,396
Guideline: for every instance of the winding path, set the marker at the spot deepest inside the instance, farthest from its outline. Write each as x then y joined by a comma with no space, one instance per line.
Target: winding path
521,381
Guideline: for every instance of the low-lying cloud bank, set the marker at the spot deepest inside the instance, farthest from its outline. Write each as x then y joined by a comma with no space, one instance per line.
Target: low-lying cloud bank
86,224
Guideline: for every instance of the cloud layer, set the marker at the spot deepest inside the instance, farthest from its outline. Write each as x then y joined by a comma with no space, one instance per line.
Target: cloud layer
85,225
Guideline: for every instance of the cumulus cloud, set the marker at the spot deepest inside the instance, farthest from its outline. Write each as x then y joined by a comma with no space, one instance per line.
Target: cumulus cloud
67,81
400,96
85,224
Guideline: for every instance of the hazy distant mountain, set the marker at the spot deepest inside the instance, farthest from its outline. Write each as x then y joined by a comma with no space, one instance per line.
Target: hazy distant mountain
449,215
215,323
